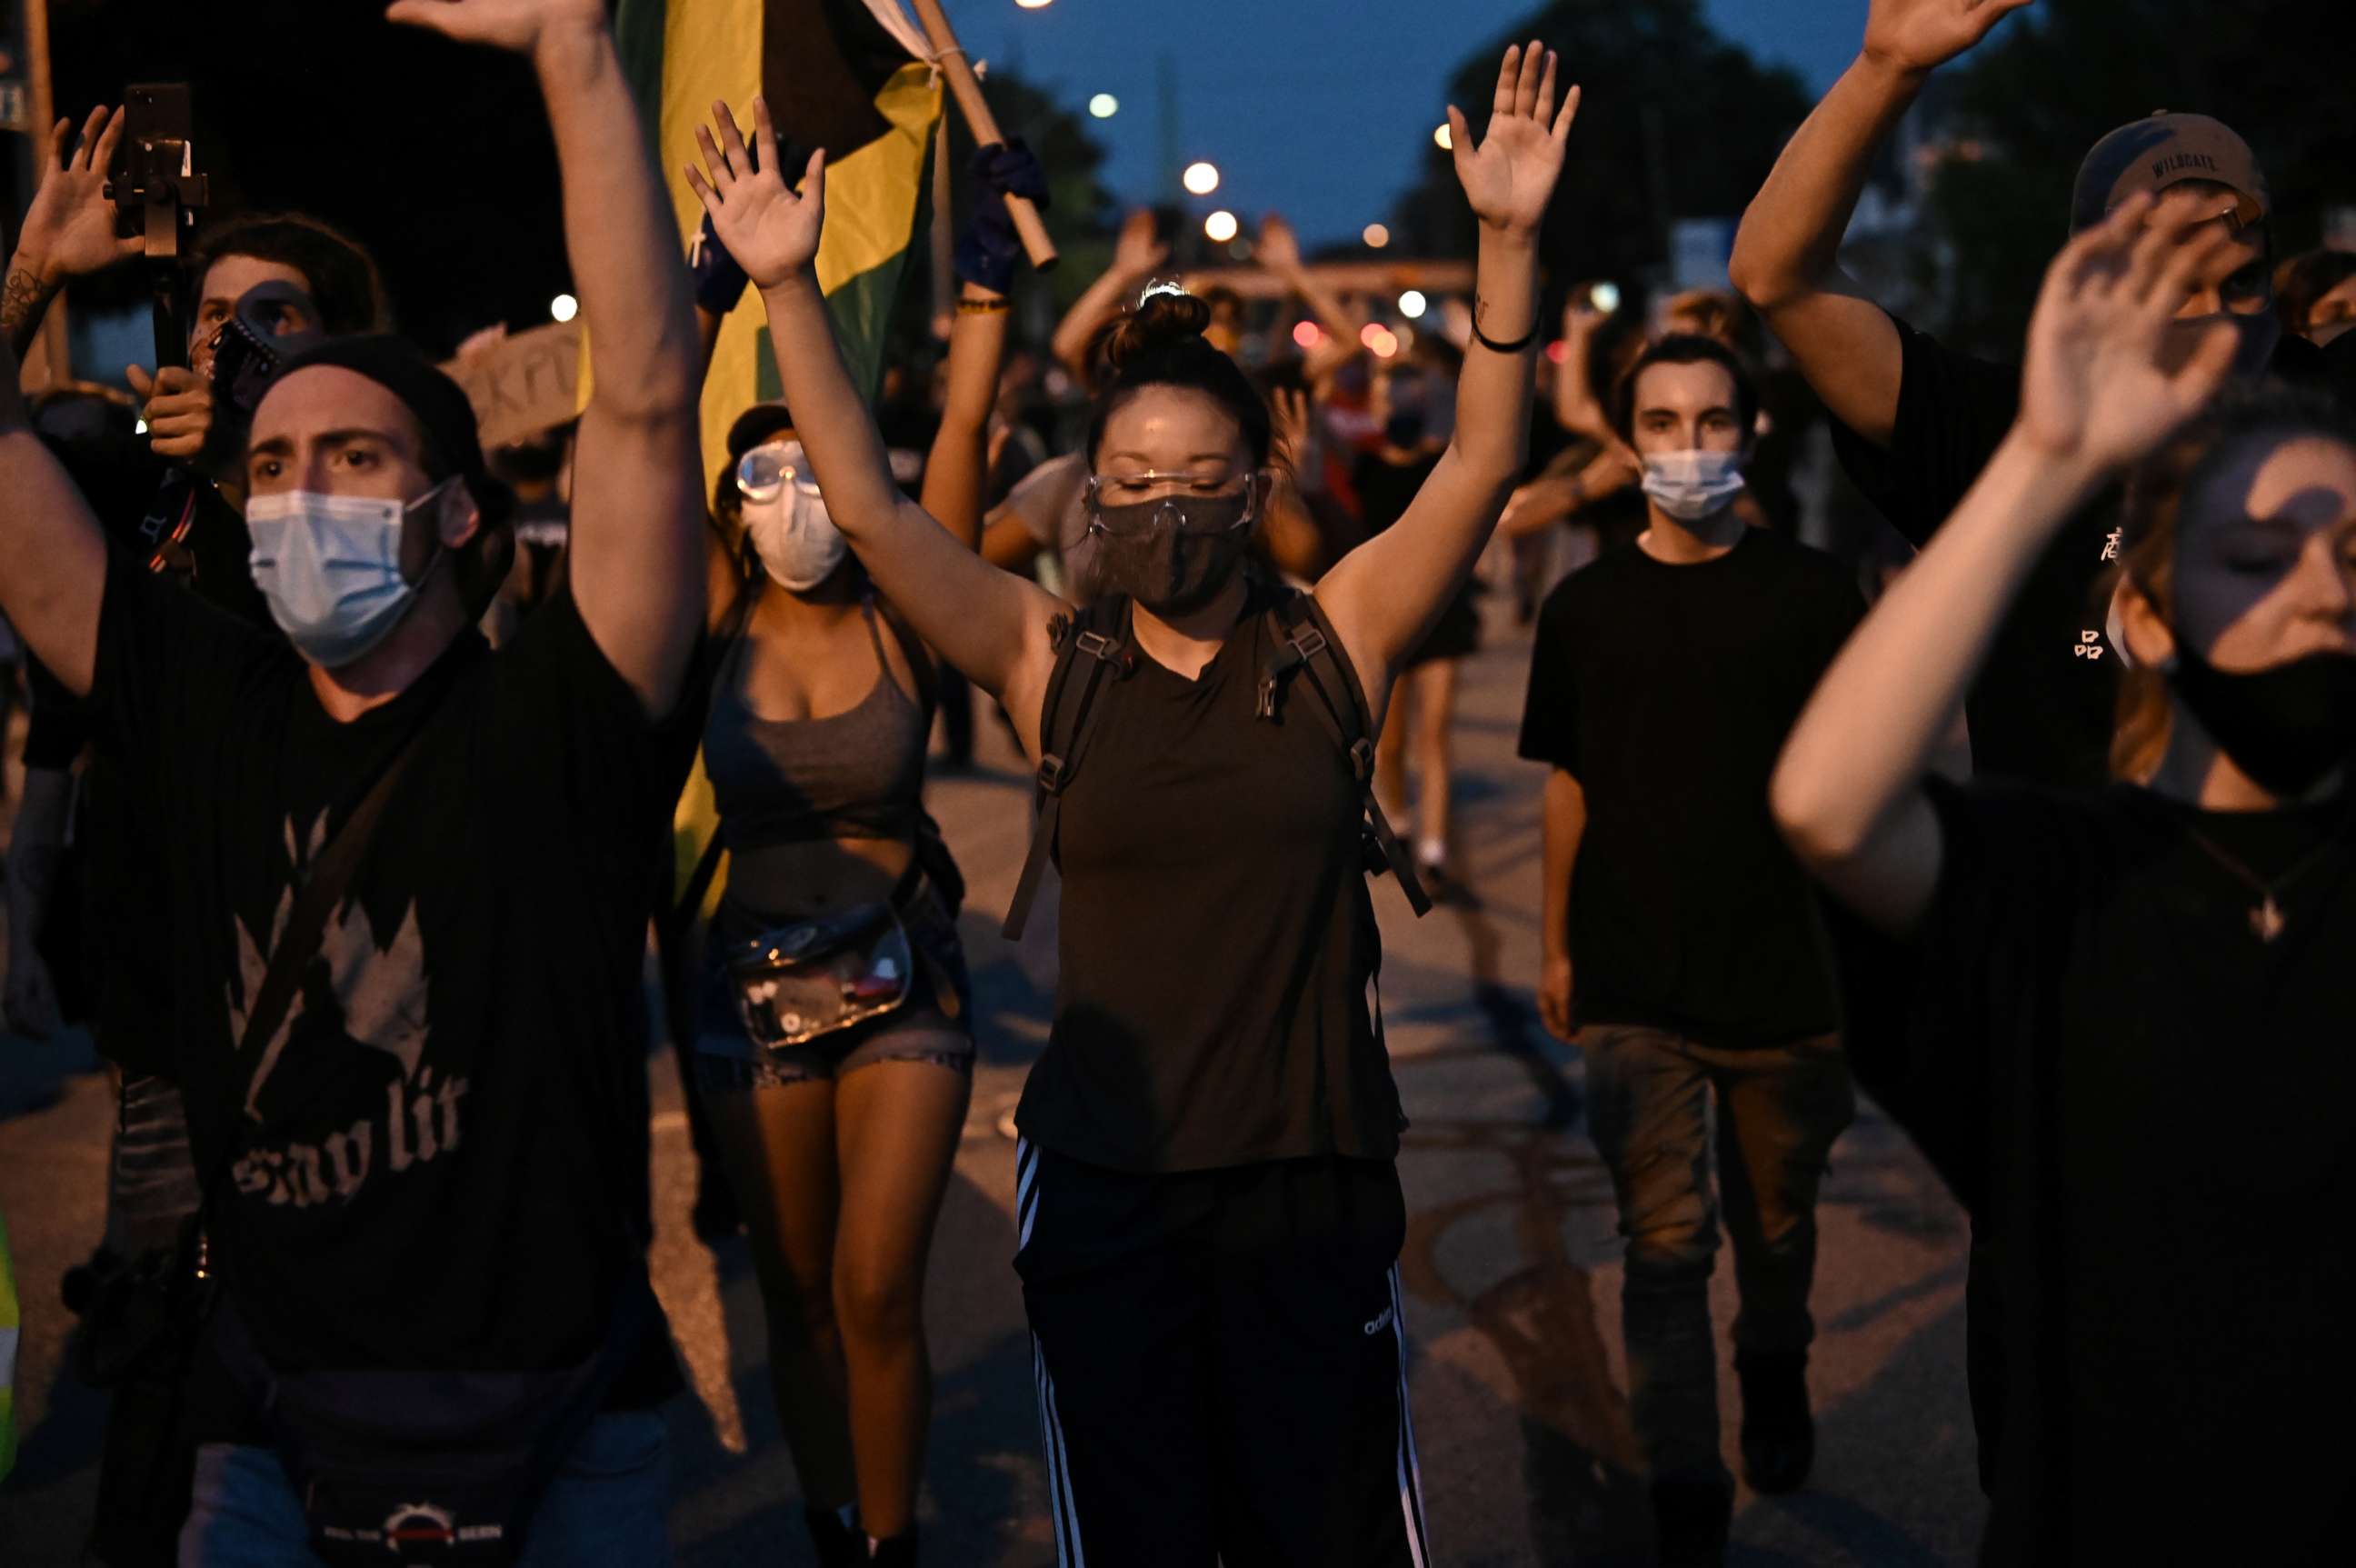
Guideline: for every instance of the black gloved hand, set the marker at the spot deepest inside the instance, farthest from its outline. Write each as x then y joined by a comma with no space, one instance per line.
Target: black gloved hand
988,249
719,281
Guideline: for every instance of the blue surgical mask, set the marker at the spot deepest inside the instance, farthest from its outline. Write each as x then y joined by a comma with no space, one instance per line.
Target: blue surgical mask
1690,486
330,568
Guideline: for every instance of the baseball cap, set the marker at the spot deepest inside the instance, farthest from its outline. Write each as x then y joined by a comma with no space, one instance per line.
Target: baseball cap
2166,149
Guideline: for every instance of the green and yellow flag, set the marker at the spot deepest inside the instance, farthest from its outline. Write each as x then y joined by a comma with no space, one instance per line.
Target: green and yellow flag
854,77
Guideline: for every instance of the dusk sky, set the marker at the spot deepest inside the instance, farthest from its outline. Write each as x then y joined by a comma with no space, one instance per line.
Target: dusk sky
1261,82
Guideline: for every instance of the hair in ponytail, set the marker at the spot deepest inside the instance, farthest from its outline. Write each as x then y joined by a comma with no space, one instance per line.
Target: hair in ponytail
1161,344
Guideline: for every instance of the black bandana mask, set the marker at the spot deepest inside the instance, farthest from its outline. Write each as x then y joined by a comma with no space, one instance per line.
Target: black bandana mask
2287,725
1173,555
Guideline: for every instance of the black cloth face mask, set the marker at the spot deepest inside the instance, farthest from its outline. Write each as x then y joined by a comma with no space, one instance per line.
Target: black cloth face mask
2286,726
1173,555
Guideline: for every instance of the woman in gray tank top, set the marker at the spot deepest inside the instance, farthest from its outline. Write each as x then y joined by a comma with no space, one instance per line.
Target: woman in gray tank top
838,1146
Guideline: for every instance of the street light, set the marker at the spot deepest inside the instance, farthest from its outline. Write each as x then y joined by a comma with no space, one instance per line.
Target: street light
564,307
1307,335
1104,106
1221,227
1202,178
1032,4
1375,236
1412,304
1442,140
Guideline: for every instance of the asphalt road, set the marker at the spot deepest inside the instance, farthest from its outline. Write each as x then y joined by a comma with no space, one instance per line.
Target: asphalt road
1512,1265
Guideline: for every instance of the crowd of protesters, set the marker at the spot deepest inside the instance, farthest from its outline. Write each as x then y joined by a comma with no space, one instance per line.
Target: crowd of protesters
373,1285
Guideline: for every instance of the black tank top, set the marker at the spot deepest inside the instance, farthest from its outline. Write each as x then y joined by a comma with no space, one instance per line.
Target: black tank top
1218,945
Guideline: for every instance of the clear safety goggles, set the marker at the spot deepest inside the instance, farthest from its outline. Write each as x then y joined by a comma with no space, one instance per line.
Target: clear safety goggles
1191,503
763,473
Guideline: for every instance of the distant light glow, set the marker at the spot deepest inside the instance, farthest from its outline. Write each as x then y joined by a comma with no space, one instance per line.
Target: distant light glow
1412,304
1605,297
1375,236
1307,335
564,307
1202,178
1557,351
1379,339
1221,227
1034,4
1104,106
1241,249
1442,140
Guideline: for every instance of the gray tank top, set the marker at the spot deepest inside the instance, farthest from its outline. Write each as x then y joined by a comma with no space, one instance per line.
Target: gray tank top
855,774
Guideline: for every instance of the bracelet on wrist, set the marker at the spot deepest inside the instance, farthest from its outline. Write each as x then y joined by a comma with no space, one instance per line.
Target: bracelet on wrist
982,306
1517,346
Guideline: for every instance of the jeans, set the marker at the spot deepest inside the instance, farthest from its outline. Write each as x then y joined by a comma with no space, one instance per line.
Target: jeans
1779,1110
605,1509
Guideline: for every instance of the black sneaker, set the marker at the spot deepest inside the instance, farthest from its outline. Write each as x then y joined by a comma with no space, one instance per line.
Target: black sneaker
1779,1435
840,1545
1691,1514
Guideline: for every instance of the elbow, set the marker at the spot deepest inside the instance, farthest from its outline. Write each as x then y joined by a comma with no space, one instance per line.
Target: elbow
1766,283
1822,828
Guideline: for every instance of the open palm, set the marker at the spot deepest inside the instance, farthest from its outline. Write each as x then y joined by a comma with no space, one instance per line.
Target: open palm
70,228
1921,35
2098,387
1509,178
772,232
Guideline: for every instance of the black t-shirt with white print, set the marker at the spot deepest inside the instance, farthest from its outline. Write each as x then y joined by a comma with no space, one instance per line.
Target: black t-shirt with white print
2045,702
441,1156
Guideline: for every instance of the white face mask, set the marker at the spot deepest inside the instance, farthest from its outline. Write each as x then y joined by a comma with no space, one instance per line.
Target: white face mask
797,544
1690,486
330,568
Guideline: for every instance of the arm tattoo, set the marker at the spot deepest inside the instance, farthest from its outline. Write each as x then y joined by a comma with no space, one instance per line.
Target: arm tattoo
24,300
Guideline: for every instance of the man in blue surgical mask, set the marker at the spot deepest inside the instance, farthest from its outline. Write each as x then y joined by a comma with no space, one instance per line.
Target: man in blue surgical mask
1676,943
418,1108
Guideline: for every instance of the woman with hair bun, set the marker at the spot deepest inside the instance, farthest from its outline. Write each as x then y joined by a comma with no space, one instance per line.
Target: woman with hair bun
1209,1210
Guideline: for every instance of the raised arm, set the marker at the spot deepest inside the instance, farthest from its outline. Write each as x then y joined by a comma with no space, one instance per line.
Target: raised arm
1280,254
636,563
1786,253
69,230
1384,597
1577,407
1135,255
2096,395
957,474
991,625
52,554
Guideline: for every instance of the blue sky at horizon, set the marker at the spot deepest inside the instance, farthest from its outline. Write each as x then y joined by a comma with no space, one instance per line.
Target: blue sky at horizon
1379,65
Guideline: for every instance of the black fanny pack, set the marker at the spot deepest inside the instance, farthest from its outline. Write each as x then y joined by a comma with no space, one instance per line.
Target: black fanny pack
439,1468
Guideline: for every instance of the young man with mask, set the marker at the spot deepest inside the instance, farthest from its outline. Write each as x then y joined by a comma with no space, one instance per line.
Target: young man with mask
1914,422
437,1161
1678,943
168,499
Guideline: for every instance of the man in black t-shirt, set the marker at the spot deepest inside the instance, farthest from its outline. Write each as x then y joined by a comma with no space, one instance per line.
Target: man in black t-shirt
1677,934
437,1161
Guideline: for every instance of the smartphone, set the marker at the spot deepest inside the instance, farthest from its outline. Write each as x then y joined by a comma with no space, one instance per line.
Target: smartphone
152,163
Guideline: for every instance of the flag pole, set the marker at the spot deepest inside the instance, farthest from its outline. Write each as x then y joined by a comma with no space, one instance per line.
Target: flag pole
985,126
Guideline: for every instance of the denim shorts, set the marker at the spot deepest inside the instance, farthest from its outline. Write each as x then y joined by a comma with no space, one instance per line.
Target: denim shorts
920,1030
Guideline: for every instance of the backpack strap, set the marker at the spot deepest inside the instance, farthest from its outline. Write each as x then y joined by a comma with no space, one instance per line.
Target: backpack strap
1084,650
1301,639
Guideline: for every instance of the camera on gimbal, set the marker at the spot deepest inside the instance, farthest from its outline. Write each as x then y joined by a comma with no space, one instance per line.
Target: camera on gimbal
158,194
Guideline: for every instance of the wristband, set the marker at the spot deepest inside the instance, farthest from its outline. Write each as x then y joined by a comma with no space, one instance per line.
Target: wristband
1517,346
981,306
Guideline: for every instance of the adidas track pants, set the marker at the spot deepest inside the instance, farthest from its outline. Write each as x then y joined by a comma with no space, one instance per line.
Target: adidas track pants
1221,1366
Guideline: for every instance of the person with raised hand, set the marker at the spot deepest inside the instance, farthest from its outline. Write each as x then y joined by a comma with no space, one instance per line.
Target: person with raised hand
2117,1019
1209,1210
838,1134
408,1024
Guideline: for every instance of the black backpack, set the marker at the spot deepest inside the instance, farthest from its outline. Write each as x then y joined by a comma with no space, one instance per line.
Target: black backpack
1092,650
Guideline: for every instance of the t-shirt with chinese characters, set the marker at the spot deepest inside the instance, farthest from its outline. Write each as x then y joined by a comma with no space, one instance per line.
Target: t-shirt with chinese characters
2045,702
438,1160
